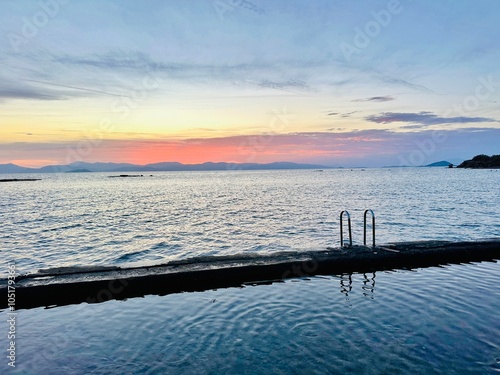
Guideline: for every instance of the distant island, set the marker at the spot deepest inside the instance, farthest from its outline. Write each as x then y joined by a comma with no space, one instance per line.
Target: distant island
442,163
482,161
80,170
82,167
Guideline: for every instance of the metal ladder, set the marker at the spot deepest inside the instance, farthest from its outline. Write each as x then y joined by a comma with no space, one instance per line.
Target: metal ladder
350,229
373,227
342,230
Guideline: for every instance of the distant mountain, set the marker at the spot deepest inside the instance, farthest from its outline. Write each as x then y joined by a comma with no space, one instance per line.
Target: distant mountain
101,167
482,161
172,165
81,170
439,164
156,167
442,163
12,168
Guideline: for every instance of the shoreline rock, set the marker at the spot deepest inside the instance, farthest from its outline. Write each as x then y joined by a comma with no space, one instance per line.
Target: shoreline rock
19,179
127,176
481,162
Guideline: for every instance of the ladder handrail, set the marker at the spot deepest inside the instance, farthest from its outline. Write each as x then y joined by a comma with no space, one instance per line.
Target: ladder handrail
342,231
373,227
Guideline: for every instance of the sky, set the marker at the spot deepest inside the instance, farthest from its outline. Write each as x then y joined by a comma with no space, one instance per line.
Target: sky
332,82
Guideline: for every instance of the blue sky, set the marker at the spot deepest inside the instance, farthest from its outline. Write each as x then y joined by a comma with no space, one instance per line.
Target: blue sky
353,83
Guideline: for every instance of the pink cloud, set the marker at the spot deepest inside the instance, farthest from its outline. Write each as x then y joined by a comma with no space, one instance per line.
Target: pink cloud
367,148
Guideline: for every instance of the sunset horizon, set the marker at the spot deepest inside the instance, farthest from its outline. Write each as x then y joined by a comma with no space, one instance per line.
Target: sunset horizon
247,83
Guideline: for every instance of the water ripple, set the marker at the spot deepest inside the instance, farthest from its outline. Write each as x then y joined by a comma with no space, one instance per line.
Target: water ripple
89,220
434,320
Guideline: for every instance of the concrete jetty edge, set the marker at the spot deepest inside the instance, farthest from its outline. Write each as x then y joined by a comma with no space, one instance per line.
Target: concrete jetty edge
64,286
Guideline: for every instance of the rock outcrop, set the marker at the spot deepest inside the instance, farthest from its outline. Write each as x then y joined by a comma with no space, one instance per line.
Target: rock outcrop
482,161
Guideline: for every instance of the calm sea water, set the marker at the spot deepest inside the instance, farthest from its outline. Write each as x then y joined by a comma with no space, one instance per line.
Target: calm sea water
84,219
434,320
427,321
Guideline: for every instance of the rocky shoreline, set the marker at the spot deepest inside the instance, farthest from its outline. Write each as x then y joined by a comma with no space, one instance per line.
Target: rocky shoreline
482,161
19,179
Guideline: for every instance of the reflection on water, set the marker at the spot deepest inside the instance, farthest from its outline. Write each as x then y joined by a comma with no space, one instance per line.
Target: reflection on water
434,320
367,287
346,284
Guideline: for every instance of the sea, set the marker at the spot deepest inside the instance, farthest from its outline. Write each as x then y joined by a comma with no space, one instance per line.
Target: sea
424,321
82,219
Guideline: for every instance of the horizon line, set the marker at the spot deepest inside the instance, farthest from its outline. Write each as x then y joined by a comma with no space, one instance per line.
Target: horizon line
72,164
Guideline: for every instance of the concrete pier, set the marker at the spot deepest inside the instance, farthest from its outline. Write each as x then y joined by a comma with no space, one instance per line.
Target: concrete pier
63,286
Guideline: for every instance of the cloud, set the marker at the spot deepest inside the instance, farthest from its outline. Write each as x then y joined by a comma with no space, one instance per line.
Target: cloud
74,88
28,93
144,62
348,114
351,148
423,119
270,74
282,74
131,60
337,129
110,72
343,115
285,85
386,98
402,82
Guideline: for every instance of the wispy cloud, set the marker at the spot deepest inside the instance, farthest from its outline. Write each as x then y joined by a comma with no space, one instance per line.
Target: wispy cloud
342,115
386,98
424,118
285,85
348,114
29,93
73,87
175,69
403,83
130,60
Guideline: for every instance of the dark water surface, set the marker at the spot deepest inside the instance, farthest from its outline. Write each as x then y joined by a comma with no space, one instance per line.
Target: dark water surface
426,321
